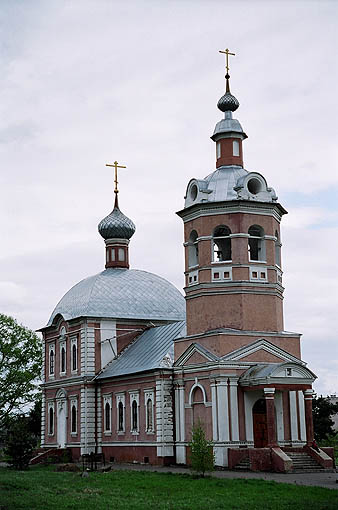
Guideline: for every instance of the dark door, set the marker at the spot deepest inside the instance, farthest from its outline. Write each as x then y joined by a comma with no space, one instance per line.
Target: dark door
260,430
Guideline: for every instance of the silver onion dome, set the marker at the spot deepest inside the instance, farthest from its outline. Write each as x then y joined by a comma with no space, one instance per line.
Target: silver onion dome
116,225
227,103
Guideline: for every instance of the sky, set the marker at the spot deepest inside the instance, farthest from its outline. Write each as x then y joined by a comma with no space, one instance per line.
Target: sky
88,82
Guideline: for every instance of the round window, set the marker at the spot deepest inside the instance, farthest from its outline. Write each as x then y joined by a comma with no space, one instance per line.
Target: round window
193,192
254,186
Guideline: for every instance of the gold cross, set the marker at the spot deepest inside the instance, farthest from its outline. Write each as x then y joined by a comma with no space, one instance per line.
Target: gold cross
116,166
227,53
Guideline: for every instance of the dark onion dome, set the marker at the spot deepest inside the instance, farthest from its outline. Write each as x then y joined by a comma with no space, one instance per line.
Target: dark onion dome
227,103
116,225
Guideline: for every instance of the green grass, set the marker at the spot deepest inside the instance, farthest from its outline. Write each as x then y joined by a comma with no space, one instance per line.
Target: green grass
42,488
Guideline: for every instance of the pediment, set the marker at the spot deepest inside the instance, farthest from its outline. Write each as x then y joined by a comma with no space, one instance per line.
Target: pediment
272,373
195,354
263,356
261,351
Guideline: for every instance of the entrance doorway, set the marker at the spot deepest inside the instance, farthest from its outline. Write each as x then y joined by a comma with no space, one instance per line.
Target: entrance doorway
260,429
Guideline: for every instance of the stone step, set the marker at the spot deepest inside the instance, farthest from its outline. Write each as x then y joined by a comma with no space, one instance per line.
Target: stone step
304,463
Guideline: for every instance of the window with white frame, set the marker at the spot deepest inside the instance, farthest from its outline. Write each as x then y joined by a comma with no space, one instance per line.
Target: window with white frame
107,408
51,359
74,354
218,150
51,416
235,148
256,243
221,243
149,411
278,246
134,398
63,357
120,409
73,415
193,249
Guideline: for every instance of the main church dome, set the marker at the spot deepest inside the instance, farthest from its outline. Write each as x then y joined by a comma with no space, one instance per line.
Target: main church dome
124,294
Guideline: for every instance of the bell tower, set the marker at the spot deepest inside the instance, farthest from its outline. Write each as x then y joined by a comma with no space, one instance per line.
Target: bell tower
232,240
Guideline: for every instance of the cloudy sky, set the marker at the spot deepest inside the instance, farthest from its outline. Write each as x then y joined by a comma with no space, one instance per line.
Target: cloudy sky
89,81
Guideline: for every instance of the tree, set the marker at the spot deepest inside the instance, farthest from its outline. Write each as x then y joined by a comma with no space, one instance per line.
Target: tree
20,442
20,366
202,456
322,421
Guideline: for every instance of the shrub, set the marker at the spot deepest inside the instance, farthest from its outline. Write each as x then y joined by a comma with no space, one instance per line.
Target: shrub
202,456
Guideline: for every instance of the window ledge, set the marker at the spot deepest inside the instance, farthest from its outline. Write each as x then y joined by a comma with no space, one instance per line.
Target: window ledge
222,261
150,433
258,261
190,268
120,432
107,433
73,433
134,432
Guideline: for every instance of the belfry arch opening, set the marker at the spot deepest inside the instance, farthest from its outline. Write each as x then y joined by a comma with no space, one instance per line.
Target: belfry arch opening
277,250
193,249
256,243
222,244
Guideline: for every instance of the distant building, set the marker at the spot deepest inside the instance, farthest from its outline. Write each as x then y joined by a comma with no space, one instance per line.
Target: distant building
333,399
130,365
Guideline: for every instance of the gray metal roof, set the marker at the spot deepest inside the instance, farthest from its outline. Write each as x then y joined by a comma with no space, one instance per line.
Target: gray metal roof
124,294
148,352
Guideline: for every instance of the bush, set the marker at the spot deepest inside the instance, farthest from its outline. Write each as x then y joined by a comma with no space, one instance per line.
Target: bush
202,457
20,443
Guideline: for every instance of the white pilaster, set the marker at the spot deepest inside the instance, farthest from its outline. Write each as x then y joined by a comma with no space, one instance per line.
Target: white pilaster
293,416
223,413
164,418
234,409
214,411
302,415
180,448
279,415
87,420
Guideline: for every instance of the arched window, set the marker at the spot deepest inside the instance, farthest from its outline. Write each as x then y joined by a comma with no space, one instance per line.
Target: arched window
63,359
277,250
51,361
107,416
121,417
221,244
74,357
256,243
150,418
73,418
134,415
51,421
193,249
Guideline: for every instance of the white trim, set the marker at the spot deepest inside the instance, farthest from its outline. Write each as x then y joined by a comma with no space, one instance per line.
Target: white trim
192,389
149,395
63,345
120,397
293,416
107,399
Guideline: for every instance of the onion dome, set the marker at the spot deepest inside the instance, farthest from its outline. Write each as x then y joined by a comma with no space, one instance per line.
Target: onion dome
228,102
116,225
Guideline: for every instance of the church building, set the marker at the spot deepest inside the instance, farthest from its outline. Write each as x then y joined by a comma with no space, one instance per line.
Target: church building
130,365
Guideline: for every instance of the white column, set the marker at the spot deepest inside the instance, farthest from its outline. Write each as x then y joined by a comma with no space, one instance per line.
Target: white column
177,414
180,426
182,413
302,416
214,411
223,413
234,409
293,416
279,415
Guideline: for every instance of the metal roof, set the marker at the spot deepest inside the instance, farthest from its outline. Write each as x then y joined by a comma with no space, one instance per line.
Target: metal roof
124,294
153,349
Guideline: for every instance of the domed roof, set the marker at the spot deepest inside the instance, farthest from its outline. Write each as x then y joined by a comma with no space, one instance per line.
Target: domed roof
124,294
116,225
228,102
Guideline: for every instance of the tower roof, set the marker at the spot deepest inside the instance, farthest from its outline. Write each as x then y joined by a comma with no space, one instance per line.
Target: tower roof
116,225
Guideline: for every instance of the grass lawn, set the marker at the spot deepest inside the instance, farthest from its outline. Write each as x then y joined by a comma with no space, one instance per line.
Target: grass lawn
42,488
